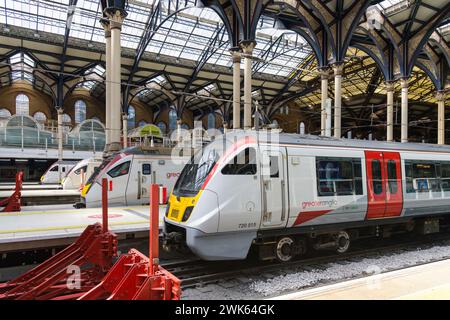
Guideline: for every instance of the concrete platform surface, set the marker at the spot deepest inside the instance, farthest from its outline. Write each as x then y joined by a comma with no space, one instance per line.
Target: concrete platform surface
429,281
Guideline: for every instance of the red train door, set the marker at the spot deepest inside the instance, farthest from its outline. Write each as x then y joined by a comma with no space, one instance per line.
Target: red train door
394,190
384,184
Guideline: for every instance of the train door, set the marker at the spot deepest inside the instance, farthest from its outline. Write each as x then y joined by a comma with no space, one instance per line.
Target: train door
137,191
384,192
274,193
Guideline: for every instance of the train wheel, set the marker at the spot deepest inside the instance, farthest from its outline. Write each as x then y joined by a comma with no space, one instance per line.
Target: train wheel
284,249
342,242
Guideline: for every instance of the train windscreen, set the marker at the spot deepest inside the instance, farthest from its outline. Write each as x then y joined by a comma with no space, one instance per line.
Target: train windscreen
97,170
195,172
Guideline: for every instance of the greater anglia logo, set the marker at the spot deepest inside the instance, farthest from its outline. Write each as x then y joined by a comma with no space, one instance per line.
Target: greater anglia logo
310,204
173,175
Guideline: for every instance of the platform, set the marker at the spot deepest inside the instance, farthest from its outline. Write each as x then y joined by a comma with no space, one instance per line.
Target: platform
41,228
11,187
429,281
40,197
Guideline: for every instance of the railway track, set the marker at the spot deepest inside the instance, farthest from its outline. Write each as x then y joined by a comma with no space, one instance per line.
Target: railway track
193,273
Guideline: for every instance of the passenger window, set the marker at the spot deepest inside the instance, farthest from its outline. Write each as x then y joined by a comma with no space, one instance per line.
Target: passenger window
377,184
421,177
445,176
120,170
55,168
392,176
338,176
242,164
78,171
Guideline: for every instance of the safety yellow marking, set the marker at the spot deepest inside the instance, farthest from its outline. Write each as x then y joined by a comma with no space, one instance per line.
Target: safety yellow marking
70,211
69,227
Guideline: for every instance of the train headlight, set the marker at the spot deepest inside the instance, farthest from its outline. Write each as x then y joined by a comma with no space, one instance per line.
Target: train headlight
187,213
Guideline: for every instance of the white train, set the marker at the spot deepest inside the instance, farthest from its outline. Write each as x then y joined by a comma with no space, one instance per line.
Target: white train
78,175
57,171
304,191
130,173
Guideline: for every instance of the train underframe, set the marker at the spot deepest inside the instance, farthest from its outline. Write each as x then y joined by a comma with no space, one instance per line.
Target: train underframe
286,244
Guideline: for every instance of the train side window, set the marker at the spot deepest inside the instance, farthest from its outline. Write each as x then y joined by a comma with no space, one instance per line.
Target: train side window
376,177
78,171
421,177
243,163
55,168
338,176
120,170
445,176
392,176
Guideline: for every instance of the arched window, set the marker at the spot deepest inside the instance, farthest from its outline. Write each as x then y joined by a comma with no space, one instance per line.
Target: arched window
162,126
22,105
4,113
172,119
131,117
302,128
40,117
184,126
211,121
66,119
142,123
80,111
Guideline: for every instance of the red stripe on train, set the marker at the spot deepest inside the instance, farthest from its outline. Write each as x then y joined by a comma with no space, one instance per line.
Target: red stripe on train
309,215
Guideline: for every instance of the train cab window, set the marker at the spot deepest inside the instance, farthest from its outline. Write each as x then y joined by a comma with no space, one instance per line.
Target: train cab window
338,176
120,170
242,164
377,183
392,176
54,169
78,171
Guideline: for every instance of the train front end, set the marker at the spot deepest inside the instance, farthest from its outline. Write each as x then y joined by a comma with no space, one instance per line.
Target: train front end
194,211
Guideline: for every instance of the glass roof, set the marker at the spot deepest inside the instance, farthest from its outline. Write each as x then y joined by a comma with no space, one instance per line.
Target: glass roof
185,35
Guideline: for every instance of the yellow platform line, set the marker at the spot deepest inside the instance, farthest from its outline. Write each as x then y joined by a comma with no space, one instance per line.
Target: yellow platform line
69,227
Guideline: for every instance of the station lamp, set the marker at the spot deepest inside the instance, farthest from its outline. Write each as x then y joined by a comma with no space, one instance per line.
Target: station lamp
113,5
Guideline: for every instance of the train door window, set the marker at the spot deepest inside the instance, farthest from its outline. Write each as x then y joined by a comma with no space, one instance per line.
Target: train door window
78,171
63,169
54,169
242,164
376,177
119,170
274,170
392,176
146,169
445,176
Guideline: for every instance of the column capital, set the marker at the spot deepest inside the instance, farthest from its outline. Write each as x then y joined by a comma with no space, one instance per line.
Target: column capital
390,86
324,73
124,116
225,125
440,95
338,68
247,46
404,82
116,17
235,55
59,110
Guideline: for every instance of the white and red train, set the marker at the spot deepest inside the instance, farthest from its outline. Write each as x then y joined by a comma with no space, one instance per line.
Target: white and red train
281,197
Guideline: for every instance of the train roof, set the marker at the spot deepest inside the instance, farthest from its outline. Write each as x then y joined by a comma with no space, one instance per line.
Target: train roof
314,140
146,150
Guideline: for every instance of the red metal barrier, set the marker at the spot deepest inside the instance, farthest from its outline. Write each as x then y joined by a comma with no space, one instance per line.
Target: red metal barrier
136,277
71,272
12,203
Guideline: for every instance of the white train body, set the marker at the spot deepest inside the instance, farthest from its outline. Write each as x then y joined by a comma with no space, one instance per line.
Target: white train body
57,171
130,173
78,175
302,186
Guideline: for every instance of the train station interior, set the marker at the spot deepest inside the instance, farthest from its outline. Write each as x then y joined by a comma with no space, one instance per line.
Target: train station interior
97,95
